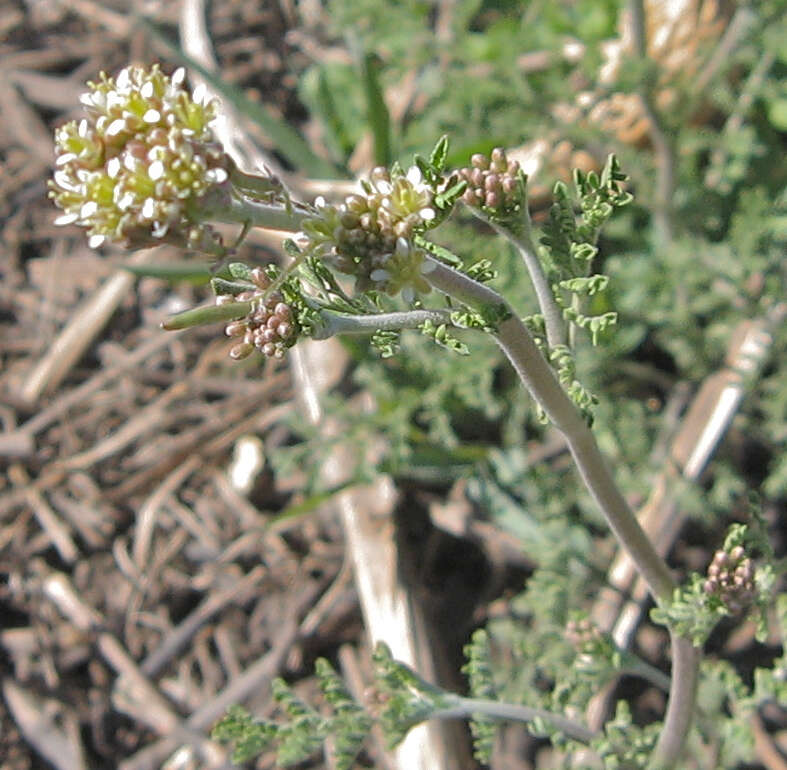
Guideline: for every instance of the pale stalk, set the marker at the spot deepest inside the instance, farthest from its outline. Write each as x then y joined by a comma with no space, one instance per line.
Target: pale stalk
538,377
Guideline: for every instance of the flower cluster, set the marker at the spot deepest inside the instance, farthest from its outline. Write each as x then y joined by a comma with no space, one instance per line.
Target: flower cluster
132,168
731,579
370,234
495,185
269,327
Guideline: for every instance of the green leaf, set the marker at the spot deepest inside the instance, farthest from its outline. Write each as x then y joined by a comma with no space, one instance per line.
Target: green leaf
210,314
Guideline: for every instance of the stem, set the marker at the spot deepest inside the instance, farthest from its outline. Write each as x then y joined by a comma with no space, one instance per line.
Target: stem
634,666
472,707
523,242
341,323
539,378
680,707
536,374
220,205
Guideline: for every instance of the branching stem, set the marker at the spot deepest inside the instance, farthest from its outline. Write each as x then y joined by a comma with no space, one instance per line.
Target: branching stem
553,317
342,323
459,707
538,377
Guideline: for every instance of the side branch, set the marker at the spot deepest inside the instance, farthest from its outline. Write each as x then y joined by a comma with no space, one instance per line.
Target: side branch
536,374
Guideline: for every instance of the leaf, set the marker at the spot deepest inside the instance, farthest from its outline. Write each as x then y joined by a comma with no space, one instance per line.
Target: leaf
210,314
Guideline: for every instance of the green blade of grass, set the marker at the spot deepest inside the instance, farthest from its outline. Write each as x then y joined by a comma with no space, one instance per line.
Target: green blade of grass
197,273
376,110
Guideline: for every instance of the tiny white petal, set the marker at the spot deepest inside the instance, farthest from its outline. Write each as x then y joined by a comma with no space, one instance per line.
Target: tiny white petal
124,78
383,186
414,176
95,241
178,76
200,94
86,99
319,202
116,126
65,181
88,209
379,275
113,167
67,219
427,214
114,99
156,170
130,162
428,266
159,229
66,157
216,175
147,89
151,116
126,201
402,247
83,128
149,208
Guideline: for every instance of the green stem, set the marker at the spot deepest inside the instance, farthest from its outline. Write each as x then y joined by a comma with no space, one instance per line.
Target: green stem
459,707
536,374
553,317
539,378
341,323
680,706
522,240
221,205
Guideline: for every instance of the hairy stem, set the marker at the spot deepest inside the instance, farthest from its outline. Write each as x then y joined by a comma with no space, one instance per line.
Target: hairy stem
681,704
224,205
459,707
536,374
342,323
553,317
539,378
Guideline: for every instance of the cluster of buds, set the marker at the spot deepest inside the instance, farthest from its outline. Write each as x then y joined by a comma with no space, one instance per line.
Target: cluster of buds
495,184
133,169
583,635
731,579
369,235
268,327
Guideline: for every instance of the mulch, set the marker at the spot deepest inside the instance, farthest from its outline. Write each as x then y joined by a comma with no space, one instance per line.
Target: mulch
143,586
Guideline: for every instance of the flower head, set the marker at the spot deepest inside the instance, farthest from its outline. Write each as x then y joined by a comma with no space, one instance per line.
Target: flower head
370,234
131,170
